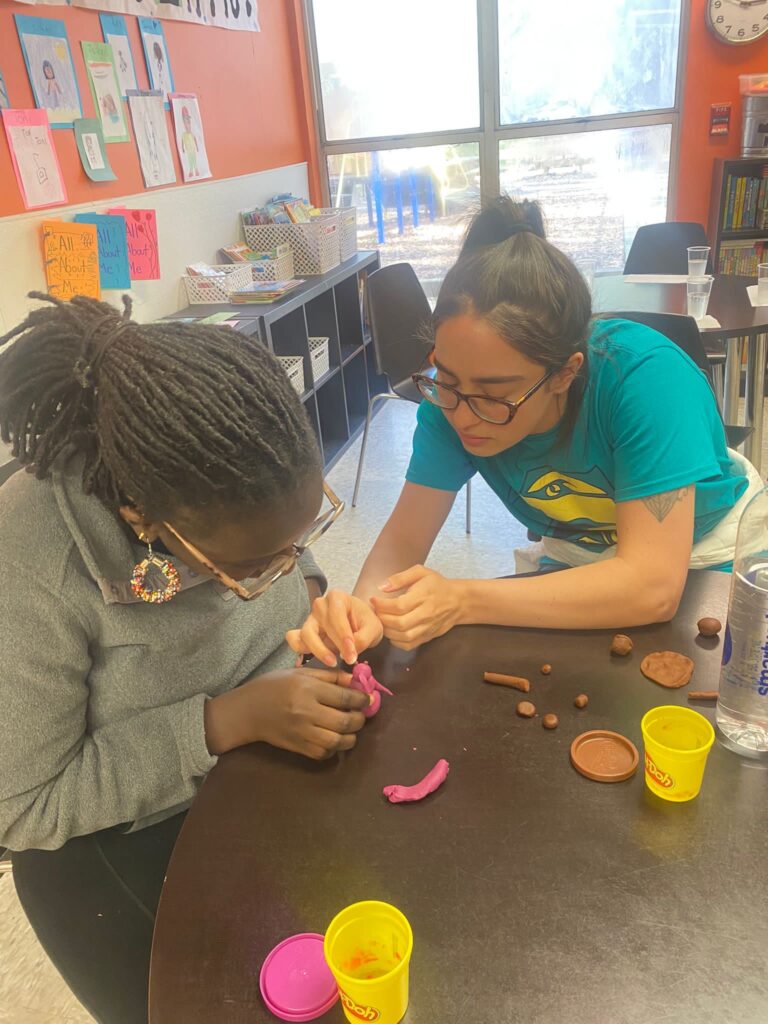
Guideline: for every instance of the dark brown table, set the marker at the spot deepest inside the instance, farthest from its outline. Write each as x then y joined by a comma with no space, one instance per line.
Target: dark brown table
740,322
535,895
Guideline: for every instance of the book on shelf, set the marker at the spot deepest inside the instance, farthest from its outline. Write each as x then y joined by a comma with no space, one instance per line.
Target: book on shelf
740,257
745,203
242,253
264,291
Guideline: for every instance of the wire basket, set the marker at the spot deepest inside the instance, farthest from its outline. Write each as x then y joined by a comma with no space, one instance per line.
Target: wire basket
280,269
319,357
294,368
316,246
202,290
348,237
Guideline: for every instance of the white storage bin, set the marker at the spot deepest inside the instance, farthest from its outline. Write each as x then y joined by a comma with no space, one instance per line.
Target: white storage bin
319,357
202,289
316,245
294,367
348,229
280,269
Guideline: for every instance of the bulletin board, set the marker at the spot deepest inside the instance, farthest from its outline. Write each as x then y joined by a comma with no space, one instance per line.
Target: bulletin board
248,86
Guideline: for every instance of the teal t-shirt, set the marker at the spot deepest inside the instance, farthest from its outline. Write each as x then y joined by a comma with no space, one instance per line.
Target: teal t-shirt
648,423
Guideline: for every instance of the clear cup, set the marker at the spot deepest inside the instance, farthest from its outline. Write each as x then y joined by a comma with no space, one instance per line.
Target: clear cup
677,743
368,949
699,289
762,284
698,256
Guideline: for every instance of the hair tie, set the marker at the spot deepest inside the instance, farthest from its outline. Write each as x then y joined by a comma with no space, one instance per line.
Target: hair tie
519,227
85,368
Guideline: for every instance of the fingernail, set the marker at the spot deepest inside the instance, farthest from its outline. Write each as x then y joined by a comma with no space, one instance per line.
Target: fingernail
386,586
331,662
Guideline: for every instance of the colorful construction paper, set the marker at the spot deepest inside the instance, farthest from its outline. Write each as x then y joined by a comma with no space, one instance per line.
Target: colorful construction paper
111,232
143,250
51,72
105,90
190,140
90,146
4,101
115,32
34,158
71,258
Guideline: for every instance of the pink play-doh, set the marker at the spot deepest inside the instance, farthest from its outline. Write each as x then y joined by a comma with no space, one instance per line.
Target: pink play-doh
363,679
431,781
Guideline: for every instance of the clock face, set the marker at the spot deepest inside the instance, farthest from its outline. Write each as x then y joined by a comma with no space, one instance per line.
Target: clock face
737,21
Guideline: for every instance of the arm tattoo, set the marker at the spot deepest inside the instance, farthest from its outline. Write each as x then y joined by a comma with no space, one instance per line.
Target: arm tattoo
660,505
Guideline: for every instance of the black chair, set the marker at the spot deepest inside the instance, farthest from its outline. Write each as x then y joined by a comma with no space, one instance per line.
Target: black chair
399,311
685,333
662,248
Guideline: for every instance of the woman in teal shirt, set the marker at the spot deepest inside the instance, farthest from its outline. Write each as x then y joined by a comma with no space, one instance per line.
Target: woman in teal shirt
600,436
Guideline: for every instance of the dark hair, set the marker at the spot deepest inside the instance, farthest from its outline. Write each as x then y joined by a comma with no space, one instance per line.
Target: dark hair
530,292
168,416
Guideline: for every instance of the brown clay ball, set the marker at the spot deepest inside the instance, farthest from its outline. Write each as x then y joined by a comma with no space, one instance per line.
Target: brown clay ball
545,670
525,709
621,645
581,701
709,627
550,721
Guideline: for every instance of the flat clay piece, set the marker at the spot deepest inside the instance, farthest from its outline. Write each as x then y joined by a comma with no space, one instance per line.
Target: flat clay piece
709,627
431,781
667,668
363,680
525,709
621,645
550,721
604,756
581,701
545,670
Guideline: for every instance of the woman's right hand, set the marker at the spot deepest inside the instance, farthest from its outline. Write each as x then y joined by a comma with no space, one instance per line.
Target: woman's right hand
339,624
305,710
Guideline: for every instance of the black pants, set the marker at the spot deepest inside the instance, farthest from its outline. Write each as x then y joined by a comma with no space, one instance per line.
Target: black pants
92,905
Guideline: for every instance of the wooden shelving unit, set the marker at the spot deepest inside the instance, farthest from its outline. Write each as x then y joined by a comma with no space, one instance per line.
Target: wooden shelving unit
330,305
750,167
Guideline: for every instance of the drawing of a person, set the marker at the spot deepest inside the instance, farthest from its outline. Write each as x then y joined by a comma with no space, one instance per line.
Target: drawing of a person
52,88
123,61
189,144
157,50
151,137
109,108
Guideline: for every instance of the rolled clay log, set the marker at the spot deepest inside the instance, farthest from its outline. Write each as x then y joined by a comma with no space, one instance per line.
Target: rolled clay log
703,695
516,682
431,781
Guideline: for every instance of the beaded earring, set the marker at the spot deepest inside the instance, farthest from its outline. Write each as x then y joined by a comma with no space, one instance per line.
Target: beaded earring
139,578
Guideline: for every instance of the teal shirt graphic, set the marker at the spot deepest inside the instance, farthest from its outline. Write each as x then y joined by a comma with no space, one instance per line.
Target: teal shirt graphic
648,423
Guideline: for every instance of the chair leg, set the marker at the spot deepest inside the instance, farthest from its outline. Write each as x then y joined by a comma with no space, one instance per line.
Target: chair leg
468,526
374,398
718,380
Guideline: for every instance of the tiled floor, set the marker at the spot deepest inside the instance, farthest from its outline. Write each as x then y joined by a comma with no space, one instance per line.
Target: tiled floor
31,992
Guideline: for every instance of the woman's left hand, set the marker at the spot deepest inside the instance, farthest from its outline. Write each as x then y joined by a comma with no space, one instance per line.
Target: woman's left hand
428,606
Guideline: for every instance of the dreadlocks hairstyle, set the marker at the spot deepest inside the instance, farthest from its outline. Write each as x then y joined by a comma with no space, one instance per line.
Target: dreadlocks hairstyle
166,416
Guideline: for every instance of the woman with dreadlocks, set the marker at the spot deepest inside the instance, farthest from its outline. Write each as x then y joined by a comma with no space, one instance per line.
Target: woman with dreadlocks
173,483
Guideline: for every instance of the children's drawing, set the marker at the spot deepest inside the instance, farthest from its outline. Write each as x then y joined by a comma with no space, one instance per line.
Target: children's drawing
34,158
190,141
151,132
105,89
4,101
115,32
156,56
49,66
90,146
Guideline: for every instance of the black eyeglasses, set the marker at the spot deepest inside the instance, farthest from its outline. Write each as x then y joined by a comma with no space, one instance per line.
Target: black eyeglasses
490,410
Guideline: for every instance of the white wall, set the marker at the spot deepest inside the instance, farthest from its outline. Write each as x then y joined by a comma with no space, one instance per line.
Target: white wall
193,221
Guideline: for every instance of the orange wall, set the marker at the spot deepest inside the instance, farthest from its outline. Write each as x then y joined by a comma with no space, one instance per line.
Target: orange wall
711,76
248,84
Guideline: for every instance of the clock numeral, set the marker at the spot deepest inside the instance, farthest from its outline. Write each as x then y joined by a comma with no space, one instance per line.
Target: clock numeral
765,17
728,28
719,19
755,28
717,4
741,33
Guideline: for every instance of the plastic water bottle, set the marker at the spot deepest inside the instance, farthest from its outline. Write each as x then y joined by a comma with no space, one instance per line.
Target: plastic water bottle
742,708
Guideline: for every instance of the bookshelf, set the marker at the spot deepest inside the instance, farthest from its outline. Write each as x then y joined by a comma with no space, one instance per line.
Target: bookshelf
330,305
738,215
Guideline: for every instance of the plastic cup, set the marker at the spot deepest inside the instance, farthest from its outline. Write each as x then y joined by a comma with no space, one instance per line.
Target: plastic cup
762,284
368,949
699,289
698,255
677,742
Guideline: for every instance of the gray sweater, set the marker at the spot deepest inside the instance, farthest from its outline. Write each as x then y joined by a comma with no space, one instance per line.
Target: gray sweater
102,695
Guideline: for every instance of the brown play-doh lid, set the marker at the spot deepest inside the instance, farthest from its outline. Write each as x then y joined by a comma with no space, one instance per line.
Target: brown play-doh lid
604,756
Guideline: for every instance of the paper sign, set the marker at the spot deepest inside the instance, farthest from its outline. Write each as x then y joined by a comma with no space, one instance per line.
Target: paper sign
233,14
190,141
150,130
34,158
50,68
156,57
90,146
115,32
114,271
70,254
105,90
143,250
4,101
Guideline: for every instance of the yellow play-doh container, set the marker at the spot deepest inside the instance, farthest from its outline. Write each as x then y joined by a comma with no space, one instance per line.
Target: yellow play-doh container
368,949
677,742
